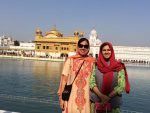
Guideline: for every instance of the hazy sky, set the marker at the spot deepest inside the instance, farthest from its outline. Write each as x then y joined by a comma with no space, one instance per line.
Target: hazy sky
122,22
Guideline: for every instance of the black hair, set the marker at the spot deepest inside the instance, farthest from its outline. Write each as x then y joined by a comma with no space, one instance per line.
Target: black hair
104,44
83,39
101,47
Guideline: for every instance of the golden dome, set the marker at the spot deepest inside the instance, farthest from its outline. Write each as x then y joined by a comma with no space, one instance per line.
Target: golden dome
54,33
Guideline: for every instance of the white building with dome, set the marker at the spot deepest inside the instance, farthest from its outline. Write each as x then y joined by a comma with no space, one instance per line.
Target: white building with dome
95,43
93,38
123,53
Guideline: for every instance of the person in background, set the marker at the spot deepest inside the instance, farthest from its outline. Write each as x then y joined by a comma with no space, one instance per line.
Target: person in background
109,79
79,101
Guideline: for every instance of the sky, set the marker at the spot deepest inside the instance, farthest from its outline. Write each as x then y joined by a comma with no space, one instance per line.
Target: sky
121,22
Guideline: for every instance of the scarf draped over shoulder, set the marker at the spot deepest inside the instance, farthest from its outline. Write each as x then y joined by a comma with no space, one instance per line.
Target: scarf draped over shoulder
108,69
77,61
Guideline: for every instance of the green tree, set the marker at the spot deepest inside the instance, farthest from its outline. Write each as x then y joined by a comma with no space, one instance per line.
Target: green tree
16,43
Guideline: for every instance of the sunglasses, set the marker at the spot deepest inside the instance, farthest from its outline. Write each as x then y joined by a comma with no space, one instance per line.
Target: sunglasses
85,46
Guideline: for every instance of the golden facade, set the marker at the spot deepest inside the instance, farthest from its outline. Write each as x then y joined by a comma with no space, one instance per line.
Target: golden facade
55,42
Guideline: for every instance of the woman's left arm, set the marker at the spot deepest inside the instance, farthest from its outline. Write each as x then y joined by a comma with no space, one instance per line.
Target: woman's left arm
121,84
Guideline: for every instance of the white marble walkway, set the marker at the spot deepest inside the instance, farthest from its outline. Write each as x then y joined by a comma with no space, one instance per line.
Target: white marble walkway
3,111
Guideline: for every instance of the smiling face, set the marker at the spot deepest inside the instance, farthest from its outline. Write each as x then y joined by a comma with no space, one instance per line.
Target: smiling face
83,48
106,52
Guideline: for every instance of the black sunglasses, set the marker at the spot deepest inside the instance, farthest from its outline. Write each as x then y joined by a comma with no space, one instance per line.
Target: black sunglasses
85,46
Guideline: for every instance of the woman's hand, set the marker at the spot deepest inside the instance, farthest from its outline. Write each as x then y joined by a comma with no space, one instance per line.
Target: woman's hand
62,104
61,88
104,98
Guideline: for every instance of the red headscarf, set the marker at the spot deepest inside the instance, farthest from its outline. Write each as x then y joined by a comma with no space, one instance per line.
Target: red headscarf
108,69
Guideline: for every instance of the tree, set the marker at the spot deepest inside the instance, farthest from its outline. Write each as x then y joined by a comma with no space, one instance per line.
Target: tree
16,43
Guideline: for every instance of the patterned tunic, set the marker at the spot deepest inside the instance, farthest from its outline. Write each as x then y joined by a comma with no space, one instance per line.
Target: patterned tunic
79,101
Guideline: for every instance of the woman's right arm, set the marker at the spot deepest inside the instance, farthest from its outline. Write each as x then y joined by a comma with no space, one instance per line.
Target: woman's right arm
63,81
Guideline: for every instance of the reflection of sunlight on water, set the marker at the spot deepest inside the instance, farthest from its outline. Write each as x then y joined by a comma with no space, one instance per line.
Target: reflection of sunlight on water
47,68
47,74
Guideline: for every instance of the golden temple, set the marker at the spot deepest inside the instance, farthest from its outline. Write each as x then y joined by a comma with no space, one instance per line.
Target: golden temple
54,42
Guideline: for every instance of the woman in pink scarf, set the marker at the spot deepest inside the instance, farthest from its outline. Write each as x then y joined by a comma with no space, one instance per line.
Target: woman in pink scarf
109,79
79,101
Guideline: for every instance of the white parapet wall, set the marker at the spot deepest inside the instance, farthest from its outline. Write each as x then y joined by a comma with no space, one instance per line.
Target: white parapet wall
130,53
3,111
127,53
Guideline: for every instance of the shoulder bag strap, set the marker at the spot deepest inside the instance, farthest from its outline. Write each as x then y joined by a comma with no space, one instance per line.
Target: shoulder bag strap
78,71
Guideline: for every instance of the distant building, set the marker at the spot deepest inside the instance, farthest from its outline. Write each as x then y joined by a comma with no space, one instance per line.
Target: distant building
54,44
25,49
24,46
95,43
132,54
27,45
6,41
93,38
123,53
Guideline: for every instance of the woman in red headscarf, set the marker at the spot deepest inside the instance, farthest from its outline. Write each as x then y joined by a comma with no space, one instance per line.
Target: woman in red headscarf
109,79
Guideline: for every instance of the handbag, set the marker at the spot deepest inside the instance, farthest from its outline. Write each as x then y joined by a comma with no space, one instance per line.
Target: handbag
66,92
67,89
103,107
